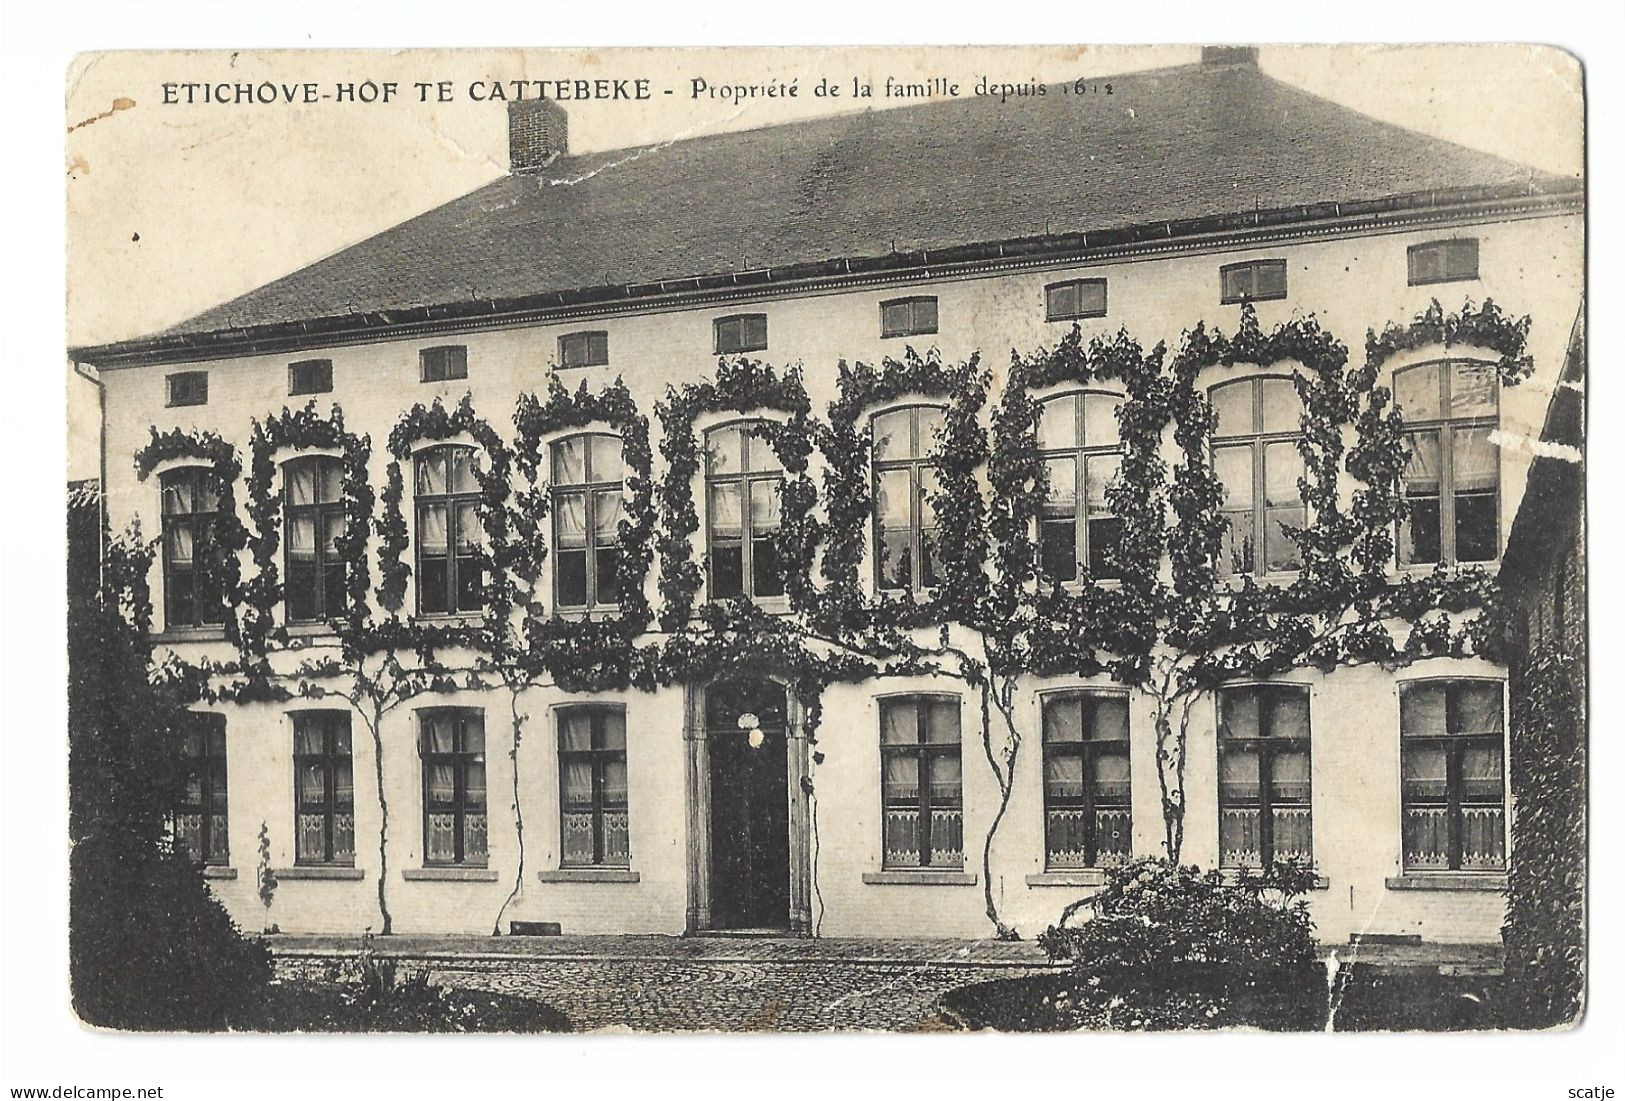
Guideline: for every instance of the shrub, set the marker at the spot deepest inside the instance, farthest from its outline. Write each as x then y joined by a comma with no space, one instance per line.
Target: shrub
150,948
1175,947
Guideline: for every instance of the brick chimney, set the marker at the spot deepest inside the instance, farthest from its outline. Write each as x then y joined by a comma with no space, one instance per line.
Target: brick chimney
538,131
1214,56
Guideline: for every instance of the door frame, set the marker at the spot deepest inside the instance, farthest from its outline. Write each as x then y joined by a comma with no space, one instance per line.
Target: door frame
697,768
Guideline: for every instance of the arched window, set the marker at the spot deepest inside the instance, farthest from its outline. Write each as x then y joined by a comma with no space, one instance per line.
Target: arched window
1255,455
907,555
1452,481
313,503
742,480
192,596
447,498
587,510
1082,449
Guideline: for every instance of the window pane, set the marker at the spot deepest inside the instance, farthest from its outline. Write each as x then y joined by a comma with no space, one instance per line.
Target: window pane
575,730
1111,779
930,490
432,535
1092,297
900,780
727,520
1282,408
440,733
896,559
332,481
892,435
1426,263
1422,708
1058,424
1239,714
1281,552
432,472
1237,281
1478,708
177,494
570,519
764,505
891,499
1063,776
307,737
615,781
727,570
1475,527
606,516
473,734
894,319
1061,488
1472,390
614,729
606,458
761,455
1101,471
942,721
1234,467
301,479
332,531
178,541
1416,392
1058,548
570,460
1110,719
931,421
1063,719
606,575
1271,277
756,331
724,451
1238,773
469,529
1100,427
945,783
767,575
1290,717
1061,301
1289,776
1424,769
462,471
1475,459
571,571
898,722
1105,536
1461,259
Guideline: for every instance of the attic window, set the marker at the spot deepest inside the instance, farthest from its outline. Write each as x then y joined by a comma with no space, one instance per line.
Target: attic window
908,316
445,362
1074,299
1254,281
745,332
310,376
188,388
589,349
1442,261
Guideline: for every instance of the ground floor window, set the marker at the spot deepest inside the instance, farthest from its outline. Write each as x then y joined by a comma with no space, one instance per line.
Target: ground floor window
1454,784
1087,819
1264,792
592,787
920,782
200,817
452,744
324,788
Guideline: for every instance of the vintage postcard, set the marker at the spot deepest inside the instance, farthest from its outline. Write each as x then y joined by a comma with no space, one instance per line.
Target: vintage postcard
1034,539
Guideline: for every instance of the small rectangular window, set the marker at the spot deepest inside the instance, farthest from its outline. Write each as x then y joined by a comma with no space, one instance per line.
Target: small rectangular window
310,376
1442,261
1074,299
189,388
1253,281
908,317
922,798
746,332
448,361
590,349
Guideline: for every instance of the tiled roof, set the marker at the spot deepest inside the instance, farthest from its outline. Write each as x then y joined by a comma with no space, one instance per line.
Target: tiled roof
1170,144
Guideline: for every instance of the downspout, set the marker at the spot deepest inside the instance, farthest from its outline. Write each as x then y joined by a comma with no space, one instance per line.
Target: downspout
101,480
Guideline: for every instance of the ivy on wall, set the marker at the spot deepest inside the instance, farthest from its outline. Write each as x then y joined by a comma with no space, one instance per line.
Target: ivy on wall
1172,626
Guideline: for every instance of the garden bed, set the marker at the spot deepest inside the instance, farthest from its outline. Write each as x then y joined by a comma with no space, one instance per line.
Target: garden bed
310,1005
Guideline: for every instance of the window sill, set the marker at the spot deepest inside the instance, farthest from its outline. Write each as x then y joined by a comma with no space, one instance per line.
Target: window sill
450,875
597,614
218,871
1072,877
1232,875
1076,588
1244,299
319,871
922,877
587,875
450,619
1448,881
309,630
191,634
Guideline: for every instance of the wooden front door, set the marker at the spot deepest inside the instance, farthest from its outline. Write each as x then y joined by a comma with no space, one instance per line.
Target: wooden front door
750,808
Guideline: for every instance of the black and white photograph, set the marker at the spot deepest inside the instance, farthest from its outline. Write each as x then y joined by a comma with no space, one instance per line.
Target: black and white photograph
1063,540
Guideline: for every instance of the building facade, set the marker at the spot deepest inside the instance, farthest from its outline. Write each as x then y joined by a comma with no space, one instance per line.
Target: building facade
687,803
